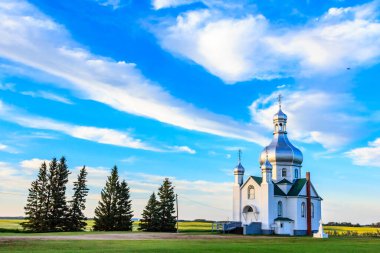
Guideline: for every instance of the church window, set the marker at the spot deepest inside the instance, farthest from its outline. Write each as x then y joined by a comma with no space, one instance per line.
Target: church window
251,192
280,127
283,172
279,209
312,210
303,209
296,173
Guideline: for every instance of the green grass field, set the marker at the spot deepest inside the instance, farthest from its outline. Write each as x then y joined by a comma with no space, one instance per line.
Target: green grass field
194,227
231,244
256,245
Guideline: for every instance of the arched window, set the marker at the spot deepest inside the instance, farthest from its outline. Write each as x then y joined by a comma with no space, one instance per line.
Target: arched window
280,126
279,209
283,172
276,128
303,209
296,173
312,210
251,192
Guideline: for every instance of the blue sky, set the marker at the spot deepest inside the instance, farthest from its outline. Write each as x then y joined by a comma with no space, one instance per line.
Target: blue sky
172,88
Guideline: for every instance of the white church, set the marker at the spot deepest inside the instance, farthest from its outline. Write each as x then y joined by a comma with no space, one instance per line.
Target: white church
280,201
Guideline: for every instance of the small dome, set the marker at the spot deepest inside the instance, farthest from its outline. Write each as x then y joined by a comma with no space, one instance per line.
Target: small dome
280,150
280,116
239,168
266,165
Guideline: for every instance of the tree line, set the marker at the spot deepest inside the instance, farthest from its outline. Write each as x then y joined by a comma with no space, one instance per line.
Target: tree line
47,209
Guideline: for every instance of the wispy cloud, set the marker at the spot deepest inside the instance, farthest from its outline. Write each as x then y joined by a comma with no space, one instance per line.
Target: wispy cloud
32,39
366,156
184,149
250,47
47,95
162,4
95,134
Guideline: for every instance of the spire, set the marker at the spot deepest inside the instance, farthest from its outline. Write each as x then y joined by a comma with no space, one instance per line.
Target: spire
239,156
279,101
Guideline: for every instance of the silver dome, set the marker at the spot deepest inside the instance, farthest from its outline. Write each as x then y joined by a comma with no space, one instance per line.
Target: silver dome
280,115
280,150
239,169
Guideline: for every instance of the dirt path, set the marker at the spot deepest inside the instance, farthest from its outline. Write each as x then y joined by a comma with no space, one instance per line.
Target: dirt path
125,236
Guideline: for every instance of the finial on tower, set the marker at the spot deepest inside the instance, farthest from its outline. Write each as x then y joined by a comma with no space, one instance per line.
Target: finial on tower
279,100
239,155
266,152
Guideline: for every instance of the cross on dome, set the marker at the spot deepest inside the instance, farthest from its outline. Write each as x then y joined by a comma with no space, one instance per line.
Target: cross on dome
279,100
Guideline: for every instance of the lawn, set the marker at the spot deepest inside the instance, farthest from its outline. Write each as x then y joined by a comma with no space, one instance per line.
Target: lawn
251,244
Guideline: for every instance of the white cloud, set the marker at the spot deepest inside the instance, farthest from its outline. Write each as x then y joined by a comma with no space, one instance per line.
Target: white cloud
366,156
313,116
95,134
32,39
47,95
33,164
3,147
100,135
114,4
239,49
184,149
161,4
8,149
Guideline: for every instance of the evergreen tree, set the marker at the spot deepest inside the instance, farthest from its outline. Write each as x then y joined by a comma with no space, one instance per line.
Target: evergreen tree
43,192
106,210
166,207
150,217
31,209
35,208
124,212
58,208
76,218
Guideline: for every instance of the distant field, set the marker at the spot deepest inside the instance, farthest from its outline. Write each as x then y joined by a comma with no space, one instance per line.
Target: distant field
197,227
359,230
183,226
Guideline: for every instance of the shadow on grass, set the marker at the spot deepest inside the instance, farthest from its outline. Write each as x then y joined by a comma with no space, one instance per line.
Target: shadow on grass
12,230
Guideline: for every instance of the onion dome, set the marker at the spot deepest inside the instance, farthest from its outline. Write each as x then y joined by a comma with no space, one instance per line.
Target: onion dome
239,169
280,150
266,165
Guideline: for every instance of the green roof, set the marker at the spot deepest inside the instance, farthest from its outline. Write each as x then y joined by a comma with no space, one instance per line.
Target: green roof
282,219
284,181
278,191
297,187
258,180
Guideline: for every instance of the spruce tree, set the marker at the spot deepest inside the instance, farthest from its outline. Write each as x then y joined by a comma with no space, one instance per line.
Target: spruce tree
76,218
58,209
150,217
43,193
32,209
35,209
106,210
124,212
166,207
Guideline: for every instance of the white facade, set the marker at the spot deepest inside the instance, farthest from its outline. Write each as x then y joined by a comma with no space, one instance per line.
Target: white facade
279,198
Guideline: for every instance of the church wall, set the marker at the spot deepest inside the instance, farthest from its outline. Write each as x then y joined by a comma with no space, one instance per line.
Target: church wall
256,202
290,172
236,205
